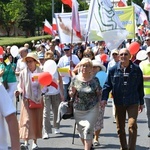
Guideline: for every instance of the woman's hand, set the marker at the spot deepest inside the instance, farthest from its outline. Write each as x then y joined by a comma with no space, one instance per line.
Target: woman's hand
103,103
72,91
16,93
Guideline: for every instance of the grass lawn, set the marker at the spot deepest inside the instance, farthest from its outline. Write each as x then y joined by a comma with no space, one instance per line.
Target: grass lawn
4,41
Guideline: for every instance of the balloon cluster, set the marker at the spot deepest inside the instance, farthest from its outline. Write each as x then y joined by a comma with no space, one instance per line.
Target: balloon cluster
45,78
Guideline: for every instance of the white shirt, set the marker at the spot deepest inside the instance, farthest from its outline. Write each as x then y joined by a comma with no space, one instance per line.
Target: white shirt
64,61
6,108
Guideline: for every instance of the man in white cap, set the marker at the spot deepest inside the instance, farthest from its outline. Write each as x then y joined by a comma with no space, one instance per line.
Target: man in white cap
145,67
113,62
68,60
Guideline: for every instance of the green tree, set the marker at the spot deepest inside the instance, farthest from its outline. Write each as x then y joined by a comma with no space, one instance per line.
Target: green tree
11,15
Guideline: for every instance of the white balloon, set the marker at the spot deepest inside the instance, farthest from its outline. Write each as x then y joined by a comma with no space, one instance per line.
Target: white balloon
14,50
141,55
50,66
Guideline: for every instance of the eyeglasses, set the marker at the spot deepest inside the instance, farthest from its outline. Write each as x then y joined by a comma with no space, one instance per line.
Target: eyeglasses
30,61
123,54
114,54
87,55
85,66
66,50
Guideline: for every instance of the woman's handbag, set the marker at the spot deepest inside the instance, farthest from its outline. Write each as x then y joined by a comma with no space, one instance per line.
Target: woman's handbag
5,84
33,105
69,112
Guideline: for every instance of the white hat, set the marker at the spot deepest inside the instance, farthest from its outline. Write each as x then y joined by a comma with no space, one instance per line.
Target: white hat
99,64
114,51
148,50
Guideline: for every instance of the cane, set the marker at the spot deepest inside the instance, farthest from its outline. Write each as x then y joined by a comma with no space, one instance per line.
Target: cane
17,100
74,133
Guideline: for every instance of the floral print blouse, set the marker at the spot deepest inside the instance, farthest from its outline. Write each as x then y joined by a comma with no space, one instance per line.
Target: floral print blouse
87,93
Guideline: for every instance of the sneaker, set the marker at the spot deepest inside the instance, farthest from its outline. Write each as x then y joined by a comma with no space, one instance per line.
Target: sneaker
148,134
45,136
96,143
57,131
34,146
24,147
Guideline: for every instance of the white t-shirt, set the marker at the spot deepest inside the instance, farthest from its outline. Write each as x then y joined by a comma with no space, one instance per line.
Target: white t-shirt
64,62
20,65
6,108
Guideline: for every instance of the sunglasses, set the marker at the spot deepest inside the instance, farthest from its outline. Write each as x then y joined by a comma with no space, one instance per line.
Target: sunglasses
87,55
123,54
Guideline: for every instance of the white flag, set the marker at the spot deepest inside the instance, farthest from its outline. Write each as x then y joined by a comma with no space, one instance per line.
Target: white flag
103,19
140,14
146,5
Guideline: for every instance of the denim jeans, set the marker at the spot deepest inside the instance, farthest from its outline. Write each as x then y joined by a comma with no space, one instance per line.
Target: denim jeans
147,101
120,115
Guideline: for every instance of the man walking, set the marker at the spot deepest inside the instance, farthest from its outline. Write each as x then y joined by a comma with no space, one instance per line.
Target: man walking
126,82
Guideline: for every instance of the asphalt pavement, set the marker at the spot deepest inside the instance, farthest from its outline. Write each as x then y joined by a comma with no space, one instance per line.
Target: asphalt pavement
108,138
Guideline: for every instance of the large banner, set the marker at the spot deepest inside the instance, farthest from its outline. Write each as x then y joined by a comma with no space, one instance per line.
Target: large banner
64,24
63,20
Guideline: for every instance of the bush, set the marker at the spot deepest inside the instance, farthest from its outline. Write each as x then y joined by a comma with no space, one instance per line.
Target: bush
20,41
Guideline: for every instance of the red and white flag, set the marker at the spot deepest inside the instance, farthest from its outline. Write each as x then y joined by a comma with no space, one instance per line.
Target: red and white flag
48,28
54,25
67,2
75,18
122,3
146,5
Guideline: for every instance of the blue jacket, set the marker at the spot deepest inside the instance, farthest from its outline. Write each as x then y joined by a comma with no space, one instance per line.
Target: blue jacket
132,93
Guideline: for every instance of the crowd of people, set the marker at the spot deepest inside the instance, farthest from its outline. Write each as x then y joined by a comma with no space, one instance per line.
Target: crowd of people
95,74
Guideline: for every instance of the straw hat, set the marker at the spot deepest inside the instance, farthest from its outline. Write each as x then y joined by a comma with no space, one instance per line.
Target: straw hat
99,64
34,56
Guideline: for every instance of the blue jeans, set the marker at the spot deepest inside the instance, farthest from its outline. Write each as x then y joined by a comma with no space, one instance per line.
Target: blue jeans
147,101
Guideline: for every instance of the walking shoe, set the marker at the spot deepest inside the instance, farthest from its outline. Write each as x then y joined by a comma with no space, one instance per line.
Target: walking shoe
45,136
148,134
57,131
34,146
96,143
24,147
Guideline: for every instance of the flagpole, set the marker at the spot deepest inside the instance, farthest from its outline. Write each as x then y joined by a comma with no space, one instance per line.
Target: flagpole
52,8
90,19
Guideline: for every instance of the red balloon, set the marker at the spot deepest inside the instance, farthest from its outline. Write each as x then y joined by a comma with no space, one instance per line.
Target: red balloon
45,78
134,48
1,50
103,57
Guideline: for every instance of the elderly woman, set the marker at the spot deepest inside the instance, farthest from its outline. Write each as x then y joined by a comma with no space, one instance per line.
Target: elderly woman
99,70
86,91
30,119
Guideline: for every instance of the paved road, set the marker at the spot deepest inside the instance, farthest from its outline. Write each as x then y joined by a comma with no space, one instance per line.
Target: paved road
108,137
